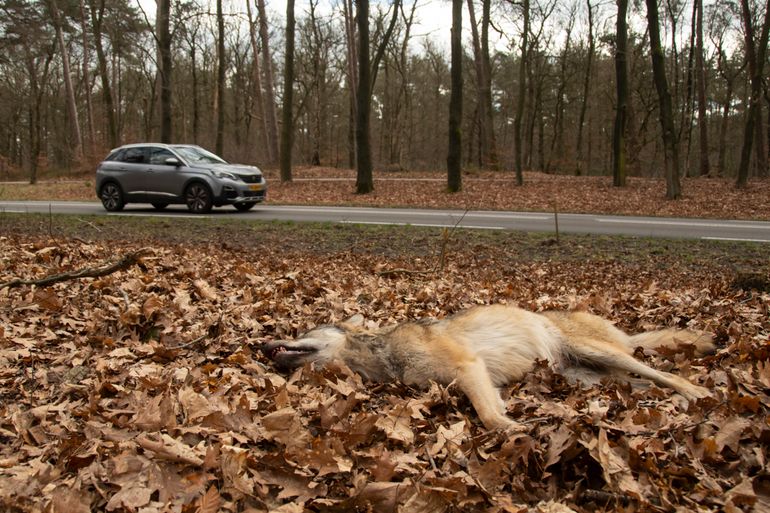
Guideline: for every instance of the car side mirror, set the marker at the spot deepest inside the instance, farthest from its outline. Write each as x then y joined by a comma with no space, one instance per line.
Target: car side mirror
172,161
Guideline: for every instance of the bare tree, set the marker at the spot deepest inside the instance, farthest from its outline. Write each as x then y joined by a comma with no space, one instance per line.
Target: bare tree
668,132
454,157
87,77
164,70
756,52
97,18
72,108
351,76
258,103
367,75
621,81
287,127
586,88
364,179
488,156
518,121
705,167
271,117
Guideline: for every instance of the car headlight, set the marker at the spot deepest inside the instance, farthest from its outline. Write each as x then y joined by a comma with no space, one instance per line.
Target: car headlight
224,174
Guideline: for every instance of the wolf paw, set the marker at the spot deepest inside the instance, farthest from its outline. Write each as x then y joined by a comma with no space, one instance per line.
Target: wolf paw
693,392
701,392
507,426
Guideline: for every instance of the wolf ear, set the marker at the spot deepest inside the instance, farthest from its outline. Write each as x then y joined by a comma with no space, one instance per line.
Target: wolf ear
356,321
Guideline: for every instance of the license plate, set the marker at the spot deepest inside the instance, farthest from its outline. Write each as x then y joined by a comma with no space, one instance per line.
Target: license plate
257,187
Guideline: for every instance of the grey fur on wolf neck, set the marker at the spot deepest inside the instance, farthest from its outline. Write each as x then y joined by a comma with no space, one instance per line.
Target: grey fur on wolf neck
372,356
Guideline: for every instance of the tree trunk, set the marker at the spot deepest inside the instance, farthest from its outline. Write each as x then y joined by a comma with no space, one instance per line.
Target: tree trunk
586,90
367,76
287,121
258,101
97,15
670,150
352,77
269,84
621,83
705,167
318,74
557,149
454,157
72,108
519,119
87,79
755,56
164,50
487,144
220,100
364,178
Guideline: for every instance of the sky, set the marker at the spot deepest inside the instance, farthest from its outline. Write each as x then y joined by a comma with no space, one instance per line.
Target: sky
433,18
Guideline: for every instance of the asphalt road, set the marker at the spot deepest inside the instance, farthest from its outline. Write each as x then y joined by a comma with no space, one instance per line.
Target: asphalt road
755,231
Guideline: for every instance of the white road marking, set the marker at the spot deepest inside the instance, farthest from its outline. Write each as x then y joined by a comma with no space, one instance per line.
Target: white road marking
365,210
732,239
424,225
694,224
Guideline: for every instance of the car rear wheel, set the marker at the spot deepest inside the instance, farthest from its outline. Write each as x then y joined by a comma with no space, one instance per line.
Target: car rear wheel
112,197
245,206
159,205
198,198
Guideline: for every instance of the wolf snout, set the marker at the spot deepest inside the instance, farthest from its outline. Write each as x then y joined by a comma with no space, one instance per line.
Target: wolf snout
272,349
284,352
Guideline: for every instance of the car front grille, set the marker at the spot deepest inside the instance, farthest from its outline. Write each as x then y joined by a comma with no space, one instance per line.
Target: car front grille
252,178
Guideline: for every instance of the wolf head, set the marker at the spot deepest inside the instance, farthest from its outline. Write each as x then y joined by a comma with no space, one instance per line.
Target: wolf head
319,345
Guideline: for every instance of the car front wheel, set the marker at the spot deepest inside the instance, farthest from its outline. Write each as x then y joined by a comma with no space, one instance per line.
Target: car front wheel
198,198
112,197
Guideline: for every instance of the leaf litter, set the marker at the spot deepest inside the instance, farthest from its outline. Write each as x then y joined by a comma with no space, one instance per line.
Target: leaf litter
145,391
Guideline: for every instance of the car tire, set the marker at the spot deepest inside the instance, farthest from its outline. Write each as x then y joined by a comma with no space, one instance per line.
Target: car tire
244,206
112,197
159,205
198,198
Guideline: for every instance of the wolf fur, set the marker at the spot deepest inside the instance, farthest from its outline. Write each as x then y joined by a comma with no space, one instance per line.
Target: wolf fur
486,347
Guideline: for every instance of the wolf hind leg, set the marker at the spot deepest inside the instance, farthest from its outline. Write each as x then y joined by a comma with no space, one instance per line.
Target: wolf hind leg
615,358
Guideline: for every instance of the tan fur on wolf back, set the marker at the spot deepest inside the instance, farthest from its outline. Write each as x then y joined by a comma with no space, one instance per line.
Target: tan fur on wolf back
486,347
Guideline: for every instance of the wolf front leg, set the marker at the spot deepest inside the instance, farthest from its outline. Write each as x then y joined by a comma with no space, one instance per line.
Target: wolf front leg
474,380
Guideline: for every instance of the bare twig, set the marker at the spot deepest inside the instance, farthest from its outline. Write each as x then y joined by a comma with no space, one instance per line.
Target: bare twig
187,344
88,272
89,223
446,235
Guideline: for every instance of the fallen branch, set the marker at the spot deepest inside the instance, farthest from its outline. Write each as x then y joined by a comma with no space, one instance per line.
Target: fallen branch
88,272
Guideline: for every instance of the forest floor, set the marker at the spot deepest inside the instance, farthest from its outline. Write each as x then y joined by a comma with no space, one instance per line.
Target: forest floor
713,198
145,389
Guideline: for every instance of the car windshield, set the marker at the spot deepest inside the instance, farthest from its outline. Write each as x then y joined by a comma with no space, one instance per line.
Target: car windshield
196,155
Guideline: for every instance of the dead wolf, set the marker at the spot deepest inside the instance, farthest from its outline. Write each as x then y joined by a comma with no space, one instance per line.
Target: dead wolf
486,347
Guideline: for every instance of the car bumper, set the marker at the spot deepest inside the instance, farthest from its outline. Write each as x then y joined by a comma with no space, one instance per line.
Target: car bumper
241,193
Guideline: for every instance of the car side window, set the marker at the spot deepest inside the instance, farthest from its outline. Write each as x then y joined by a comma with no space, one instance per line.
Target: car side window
158,156
116,156
133,156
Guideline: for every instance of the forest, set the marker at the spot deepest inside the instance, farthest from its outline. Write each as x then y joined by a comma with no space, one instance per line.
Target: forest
580,87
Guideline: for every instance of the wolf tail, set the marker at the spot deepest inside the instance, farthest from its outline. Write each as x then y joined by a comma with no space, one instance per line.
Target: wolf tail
672,338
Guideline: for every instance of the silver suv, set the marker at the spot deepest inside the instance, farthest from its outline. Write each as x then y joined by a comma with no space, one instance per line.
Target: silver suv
161,174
